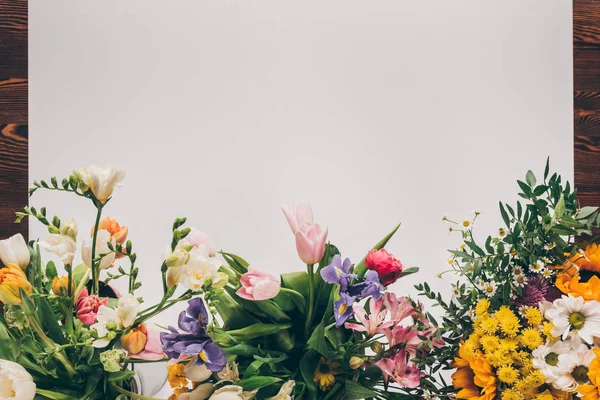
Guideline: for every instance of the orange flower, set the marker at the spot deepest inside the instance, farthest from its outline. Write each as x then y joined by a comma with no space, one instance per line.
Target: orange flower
589,260
592,391
117,232
568,283
474,377
135,340
63,282
12,279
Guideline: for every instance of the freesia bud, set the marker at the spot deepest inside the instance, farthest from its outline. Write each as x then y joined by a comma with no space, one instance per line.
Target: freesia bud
310,243
135,340
100,181
111,335
356,362
12,279
62,284
69,228
220,280
14,250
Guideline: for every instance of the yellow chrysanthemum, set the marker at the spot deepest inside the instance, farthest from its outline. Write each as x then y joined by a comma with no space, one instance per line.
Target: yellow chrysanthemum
504,312
509,344
533,316
510,394
547,327
489,324
510,326
482,307
489,343
507,374
325,373
503,357
536,378
531,338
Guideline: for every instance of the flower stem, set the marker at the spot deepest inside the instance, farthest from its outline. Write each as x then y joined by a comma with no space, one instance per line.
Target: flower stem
311,297
131,394
48,342
96,269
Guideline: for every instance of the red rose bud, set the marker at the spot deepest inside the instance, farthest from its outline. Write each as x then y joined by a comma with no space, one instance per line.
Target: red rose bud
385,264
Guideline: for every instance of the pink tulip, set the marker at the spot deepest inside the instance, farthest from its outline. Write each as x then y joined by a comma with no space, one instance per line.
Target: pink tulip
153,350
87,307
298,215
310,243
198,238
257,285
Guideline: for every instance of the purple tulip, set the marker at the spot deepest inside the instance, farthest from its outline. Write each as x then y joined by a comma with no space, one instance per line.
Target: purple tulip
338,272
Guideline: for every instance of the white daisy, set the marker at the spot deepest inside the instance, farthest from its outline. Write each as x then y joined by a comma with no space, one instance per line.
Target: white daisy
573,368
489,288
545,358
574,314
538,266
517,270
550,246
519,280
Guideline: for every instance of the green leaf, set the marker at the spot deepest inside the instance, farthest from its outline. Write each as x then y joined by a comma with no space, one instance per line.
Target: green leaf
50,321
297,281
475,248
53,395
287,296
233,314
355,391
504,215
242,349
79,271
258,330
51,272
120,376
361,268
317,341
547,168
585,212
530,178
257,382
525,188
308,364
559,210
409,271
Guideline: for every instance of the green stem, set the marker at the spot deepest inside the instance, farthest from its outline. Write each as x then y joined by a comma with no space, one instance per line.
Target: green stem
69,316
311,298
131,394
96,269
48,342
163,305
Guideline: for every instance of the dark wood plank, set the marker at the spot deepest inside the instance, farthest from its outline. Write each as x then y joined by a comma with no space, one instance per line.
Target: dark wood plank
13,177
586,113
13,114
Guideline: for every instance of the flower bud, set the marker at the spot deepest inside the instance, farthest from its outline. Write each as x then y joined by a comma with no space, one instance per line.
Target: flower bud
12,279
376,347
14,250
220,281
69,228
111,335
60,285
356,362
135,340
111,360
111,325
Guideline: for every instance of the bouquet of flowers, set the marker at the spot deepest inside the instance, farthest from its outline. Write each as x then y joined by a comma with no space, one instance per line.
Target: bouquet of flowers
524,320
331,331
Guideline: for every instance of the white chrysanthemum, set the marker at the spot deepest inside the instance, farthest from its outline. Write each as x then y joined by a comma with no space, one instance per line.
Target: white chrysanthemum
545,358
573,368
574,314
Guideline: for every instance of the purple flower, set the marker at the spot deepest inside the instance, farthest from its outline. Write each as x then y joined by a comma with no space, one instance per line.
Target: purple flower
209,354
342,309
534,292
338,272
195,318
369,287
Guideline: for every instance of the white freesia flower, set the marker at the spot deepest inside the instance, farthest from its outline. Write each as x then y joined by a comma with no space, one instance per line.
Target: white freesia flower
102,240
232,392
121,317
201,392
573,368
285,393
15,382
545,358
195,372
574,314
229,373
192,268
100,181
69,228
14,250
62,245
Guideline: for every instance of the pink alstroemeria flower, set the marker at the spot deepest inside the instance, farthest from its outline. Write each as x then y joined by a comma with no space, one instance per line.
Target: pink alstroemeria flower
399,308
258,285
371,323
404,373
87,306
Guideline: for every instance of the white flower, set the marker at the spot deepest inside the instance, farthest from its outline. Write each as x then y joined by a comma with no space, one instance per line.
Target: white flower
195,372
545,358
488,288
102,239
519,280
573,368
201,392
571,313
538,266
100,181
14,250
15,382
229,373
62,245
121,317
285,393
69,228
232,392
197,269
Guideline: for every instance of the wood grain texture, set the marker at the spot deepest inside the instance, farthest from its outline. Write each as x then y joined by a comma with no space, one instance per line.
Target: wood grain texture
13,114
586,113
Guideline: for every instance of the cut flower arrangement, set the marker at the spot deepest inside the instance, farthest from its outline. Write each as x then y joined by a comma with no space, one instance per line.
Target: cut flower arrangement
524,321
331,331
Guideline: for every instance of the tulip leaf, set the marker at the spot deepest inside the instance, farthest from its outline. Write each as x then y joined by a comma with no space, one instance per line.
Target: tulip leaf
297,281
361,268
318,343
287,296
233,314
258,330
257,382
308,364
121,376
50,321
242,349
236,262
53,395
355,391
